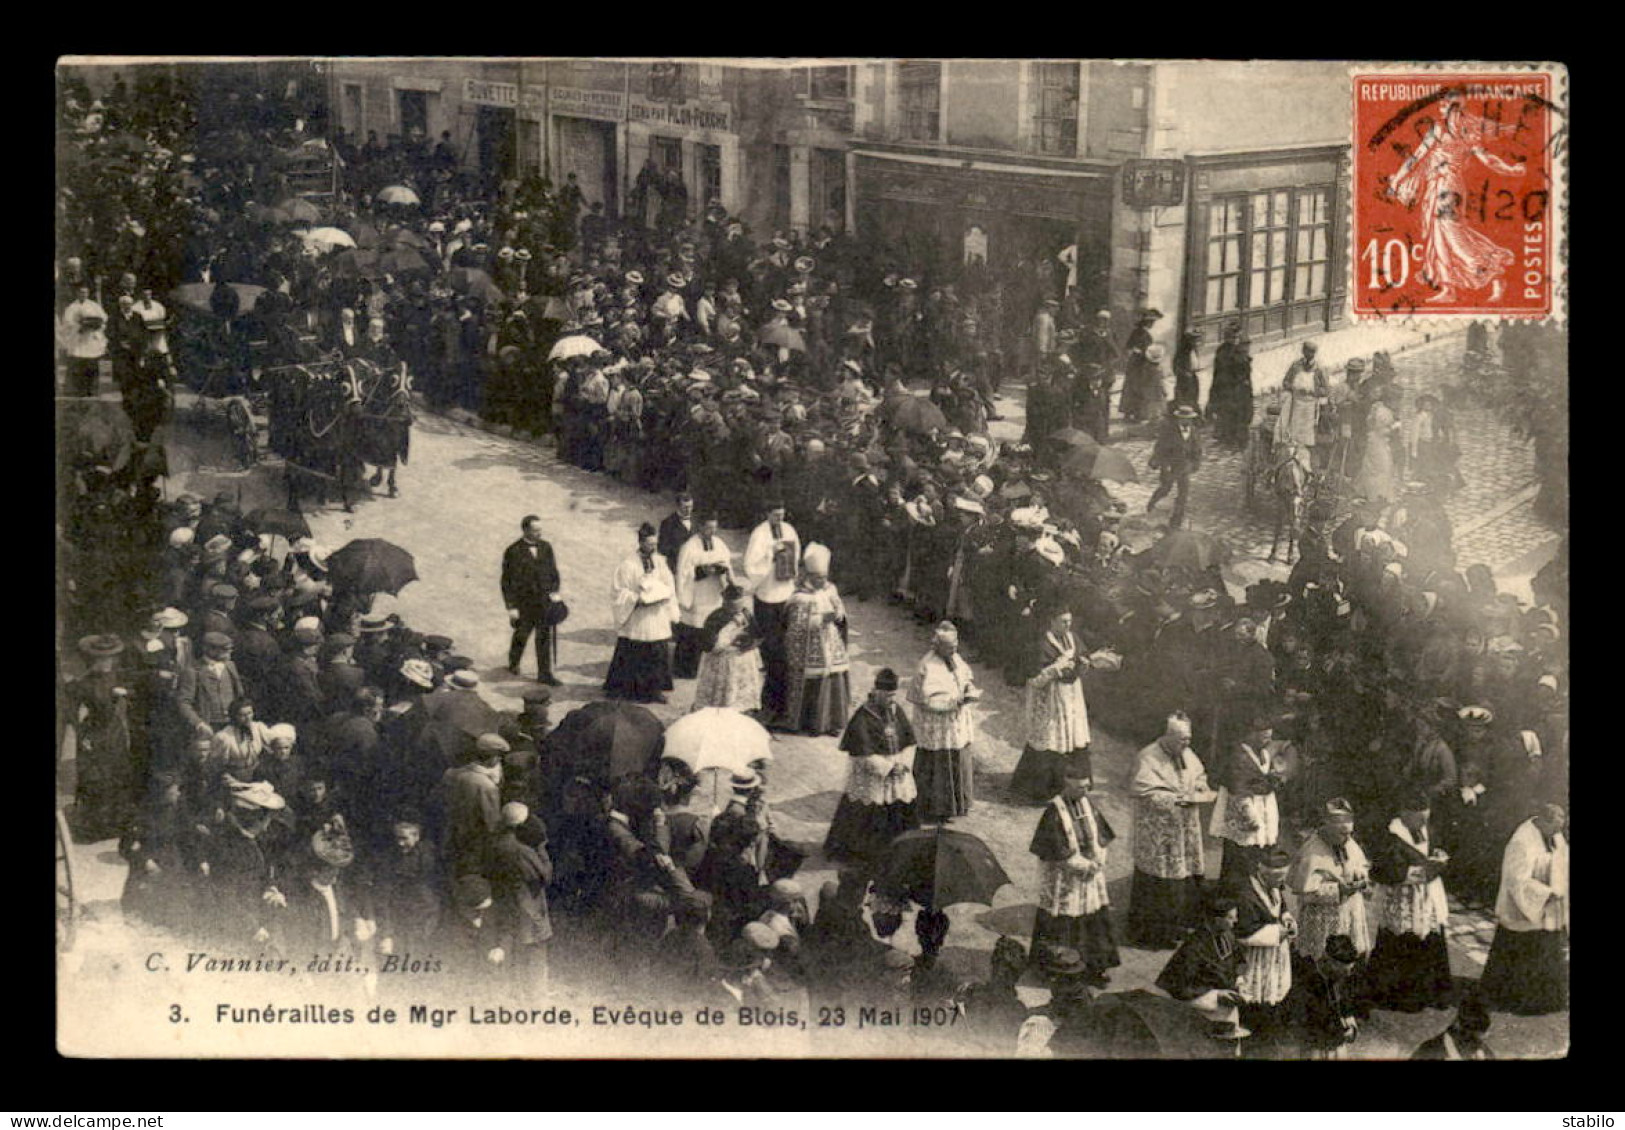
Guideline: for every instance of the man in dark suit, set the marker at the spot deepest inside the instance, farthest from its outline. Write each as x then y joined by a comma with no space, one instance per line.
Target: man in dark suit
676,529
258,654
530,583
205,691
298,695
339,677
1176,456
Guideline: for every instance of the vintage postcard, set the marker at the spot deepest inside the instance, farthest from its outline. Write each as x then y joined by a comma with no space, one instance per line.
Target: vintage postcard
738,557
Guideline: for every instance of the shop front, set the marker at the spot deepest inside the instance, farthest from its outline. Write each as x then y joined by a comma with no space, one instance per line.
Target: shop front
586,128
692,141
941,217
1265,242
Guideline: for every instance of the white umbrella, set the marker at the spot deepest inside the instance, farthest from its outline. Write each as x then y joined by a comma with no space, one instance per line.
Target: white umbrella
576,345
717,738
327,238
397,194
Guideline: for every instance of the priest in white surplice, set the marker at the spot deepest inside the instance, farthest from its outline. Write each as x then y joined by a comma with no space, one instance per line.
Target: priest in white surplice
704,569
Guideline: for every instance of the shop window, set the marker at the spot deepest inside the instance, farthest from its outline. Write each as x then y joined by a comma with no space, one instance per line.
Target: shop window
829,84
1224,255
1265,249
414,114
1055,108
919,97
666,82
781,187
1311,234
354,118
667,152
710,173
829,188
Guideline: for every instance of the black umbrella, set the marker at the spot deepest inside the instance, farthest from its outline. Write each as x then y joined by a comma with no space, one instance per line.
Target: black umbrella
1100,462
405,237
915,414
195,296
1074,437
369,565
1188,549
938,867
608,740
281,523
475,282
464,712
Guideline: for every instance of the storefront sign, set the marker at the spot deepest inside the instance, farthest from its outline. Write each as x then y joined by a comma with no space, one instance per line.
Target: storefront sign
506,94
576,102
680,115
1153,183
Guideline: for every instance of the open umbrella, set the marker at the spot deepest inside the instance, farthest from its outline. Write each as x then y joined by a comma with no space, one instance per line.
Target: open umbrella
370,565
1100,463
365,234
473,282
396,260
608,740
464,712
1188,549
327,238
375,262
938,867
294,210
282,523
195,296
405,237
784,337
1074,437
549,308
715,738
1142,1025
397,194
916,414
576,345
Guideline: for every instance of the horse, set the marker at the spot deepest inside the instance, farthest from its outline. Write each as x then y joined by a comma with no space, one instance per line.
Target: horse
1291,483
382,428
321,436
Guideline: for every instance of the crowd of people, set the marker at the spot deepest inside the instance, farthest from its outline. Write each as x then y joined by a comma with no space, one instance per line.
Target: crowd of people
282,765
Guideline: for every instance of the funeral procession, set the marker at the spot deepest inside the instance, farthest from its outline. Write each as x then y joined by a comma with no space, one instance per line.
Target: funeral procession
576,557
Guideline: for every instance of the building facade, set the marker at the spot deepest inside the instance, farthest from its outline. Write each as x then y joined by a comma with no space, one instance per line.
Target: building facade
1213,191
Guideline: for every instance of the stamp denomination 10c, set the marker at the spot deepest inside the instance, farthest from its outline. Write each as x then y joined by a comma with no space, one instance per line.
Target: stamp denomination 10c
1456,187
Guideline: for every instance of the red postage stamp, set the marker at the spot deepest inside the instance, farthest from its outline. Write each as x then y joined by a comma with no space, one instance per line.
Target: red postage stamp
1455,195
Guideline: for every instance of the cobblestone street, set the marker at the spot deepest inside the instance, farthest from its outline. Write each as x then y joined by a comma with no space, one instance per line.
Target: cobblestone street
1492,514
461,498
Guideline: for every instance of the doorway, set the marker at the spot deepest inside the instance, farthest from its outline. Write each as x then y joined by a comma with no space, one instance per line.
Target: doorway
414,106
496,143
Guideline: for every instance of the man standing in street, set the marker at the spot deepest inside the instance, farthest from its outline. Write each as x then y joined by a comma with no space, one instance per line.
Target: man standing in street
1177,454
675,530
530,584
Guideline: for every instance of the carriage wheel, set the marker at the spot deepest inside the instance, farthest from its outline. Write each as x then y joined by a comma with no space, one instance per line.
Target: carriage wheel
67,907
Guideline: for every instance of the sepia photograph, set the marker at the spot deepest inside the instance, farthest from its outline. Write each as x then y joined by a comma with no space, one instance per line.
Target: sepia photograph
959,558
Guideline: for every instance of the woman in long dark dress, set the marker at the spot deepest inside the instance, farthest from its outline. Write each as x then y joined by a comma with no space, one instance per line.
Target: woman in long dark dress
1410,964
1230,401
104,771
